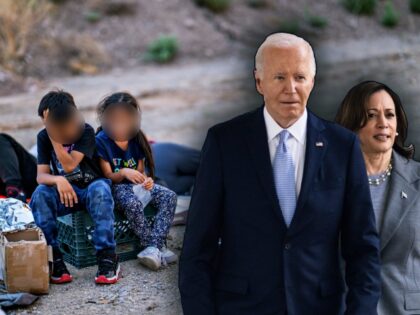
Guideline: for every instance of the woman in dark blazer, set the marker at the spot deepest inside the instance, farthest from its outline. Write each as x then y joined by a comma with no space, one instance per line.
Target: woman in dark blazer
375,113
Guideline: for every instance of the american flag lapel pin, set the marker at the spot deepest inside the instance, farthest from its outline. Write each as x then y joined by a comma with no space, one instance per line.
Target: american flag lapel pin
319,144
403,195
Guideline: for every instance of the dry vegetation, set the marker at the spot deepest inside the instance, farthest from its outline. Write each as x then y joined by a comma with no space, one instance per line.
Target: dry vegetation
18,20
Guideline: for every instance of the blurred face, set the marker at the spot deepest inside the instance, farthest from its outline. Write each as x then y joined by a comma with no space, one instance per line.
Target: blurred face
286,81
378,135
66,132
121,123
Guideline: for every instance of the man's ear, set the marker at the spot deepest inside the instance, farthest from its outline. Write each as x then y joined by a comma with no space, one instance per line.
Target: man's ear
258,82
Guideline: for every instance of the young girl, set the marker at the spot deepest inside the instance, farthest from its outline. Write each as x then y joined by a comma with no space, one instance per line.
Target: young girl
125,155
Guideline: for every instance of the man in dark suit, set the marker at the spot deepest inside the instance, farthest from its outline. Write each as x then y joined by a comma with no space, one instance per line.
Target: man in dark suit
280,194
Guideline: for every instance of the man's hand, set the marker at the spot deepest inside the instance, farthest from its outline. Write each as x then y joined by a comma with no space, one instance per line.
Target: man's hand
148,183
133,176
68,196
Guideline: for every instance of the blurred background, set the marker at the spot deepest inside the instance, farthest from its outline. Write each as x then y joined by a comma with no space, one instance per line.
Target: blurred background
190,64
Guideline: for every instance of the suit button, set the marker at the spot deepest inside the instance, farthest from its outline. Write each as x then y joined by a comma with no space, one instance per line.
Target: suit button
287,246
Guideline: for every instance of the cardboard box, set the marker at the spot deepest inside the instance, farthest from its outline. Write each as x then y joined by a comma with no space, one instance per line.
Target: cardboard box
24,261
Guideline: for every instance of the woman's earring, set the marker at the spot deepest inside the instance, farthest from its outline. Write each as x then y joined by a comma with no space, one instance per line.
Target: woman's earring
396,133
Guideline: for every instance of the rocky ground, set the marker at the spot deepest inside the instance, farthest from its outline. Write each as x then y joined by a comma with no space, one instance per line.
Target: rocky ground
140,291
70,41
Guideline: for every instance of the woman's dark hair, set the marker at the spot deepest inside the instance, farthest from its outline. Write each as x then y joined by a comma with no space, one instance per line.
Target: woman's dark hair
60,106
353,115
123,98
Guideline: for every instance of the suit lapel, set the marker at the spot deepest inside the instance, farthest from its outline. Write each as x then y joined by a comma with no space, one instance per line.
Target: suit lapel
313,158
400,200
258,145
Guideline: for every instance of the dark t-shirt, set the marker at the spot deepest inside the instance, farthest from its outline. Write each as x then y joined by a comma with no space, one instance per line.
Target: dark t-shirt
109,151
88,169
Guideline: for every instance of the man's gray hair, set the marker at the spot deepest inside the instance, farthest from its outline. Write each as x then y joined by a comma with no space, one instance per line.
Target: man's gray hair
283,40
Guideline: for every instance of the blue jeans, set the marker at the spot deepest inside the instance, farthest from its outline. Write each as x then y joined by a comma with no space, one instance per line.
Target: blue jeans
176,165
96,198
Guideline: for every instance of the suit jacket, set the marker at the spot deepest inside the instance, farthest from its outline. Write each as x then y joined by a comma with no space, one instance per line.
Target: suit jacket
400,240
239,257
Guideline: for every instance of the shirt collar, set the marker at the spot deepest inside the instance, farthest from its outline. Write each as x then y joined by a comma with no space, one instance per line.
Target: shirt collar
297,130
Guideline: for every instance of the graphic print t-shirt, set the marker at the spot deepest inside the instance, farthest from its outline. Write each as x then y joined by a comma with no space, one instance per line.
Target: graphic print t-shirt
88,169
109,151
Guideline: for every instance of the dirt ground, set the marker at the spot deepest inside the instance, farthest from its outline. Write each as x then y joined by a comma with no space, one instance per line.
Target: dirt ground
119,40
140,291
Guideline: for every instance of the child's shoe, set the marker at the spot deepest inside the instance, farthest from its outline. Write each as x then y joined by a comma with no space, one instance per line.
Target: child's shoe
58,271
151,257
109,269
168,256
15,192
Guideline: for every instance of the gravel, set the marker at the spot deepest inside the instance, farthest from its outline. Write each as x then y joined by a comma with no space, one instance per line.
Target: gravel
140,291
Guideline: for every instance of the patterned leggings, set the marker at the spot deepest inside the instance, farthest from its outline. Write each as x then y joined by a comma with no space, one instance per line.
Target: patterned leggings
163,199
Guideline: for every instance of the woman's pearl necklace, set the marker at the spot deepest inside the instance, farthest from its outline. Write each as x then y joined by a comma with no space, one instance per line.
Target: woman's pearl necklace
383,177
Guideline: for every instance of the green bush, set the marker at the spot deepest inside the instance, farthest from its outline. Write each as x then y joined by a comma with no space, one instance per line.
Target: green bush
390,17
163,49
257,3
93,16
289,26
415,6
214,5
366,7
317,21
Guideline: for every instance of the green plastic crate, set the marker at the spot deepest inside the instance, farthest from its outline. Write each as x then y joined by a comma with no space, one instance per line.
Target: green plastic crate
75,237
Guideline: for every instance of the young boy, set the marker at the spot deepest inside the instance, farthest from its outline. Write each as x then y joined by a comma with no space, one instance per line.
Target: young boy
69,180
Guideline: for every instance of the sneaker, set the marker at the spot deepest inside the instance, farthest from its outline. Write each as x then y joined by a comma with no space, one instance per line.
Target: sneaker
109,269
151,257
181,211
168,256
59,273
15,192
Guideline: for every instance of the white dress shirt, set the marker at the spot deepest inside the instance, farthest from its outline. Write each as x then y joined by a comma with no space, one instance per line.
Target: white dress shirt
296,143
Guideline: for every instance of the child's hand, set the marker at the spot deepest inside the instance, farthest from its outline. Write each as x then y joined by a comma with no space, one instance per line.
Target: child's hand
67,194
148,183
133,176
55,143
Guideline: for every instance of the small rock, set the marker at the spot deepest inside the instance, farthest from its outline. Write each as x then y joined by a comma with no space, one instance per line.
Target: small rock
152,306
189,23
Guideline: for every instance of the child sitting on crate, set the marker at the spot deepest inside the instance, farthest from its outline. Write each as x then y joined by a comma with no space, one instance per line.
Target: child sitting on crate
69,180
125,155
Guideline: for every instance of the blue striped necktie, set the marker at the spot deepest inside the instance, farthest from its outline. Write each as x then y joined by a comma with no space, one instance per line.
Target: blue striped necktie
284,178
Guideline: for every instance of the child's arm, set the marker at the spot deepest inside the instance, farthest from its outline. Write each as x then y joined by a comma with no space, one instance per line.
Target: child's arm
148,183
67,194
125,173
140,166
69,161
